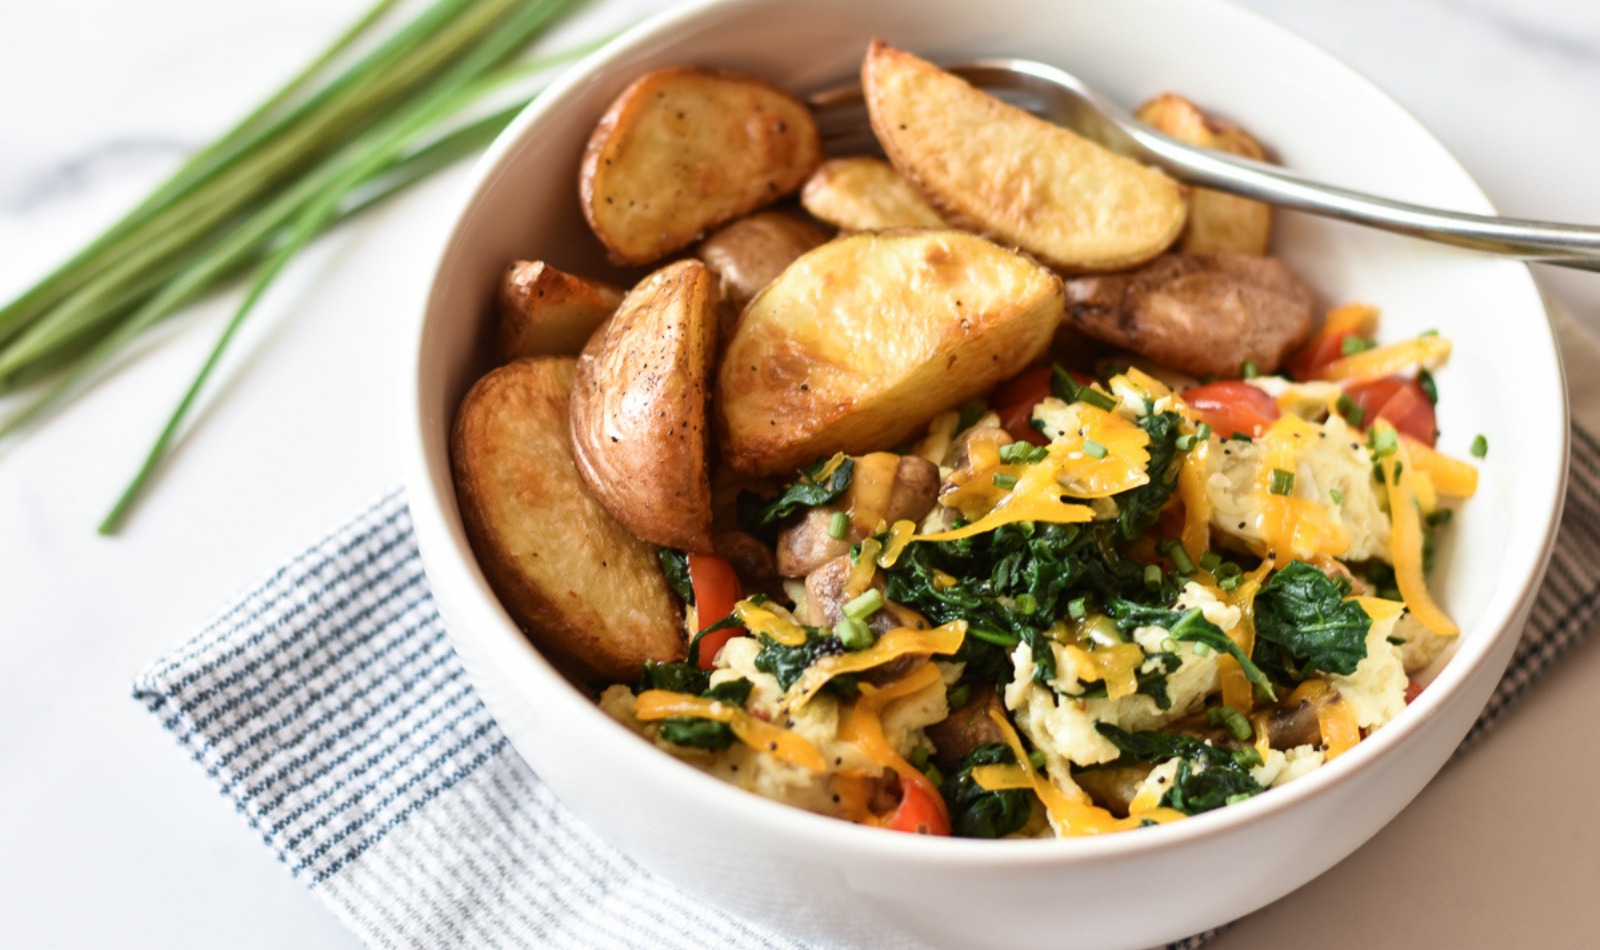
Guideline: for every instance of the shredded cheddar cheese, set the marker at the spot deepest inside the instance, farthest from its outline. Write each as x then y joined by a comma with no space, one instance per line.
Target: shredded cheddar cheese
863,728
1405,540
653,705
773,621
899,642
1428,351
1293,527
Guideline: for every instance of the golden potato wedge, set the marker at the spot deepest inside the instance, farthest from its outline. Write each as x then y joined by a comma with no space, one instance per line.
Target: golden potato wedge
863,193
751,252
1218,223
586,591
682,150
1205,314
993,168
865,339
639,432
548,312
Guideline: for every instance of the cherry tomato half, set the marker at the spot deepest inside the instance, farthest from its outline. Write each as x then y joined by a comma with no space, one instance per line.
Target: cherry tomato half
1401,401
1232,406
921,810
1309,359
716,590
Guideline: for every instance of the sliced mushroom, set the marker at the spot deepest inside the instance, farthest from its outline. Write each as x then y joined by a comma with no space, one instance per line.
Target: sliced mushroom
884,488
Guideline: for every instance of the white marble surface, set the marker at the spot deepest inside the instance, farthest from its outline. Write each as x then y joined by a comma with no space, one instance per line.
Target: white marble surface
108,837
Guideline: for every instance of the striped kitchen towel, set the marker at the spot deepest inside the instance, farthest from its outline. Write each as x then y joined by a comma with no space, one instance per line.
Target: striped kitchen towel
329,706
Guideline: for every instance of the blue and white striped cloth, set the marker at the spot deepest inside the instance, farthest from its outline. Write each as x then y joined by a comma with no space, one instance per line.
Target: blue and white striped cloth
330,707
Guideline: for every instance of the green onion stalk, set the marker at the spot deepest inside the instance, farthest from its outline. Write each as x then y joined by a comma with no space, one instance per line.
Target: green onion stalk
318,152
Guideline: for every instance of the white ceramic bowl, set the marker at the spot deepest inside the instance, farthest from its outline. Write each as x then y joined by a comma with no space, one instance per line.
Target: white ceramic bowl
820,878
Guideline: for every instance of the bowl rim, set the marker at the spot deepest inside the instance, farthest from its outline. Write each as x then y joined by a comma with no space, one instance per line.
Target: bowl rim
433,508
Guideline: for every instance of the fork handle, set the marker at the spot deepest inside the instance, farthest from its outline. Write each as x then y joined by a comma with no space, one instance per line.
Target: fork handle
1564,245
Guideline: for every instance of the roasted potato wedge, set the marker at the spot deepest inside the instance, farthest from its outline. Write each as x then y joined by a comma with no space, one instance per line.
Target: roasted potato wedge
586,591
862,193
1218,223
865,339
683,150
548,312
1205,314
750,253
994,169
639,432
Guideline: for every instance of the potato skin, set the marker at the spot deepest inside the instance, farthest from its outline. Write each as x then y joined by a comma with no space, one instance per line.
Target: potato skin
996,170
1218,223
586,591
548,312
1204,314
865,339
862,193
683,150
639,433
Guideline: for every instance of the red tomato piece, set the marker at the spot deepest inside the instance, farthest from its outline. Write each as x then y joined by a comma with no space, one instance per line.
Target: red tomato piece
1232,406
1413,690
1309,359
716,590
1401,401
1015,398
921,809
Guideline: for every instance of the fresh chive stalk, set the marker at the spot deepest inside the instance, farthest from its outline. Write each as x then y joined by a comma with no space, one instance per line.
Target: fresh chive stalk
319,151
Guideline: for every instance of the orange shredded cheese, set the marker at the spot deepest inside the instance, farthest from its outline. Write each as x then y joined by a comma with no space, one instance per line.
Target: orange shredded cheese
1405,540
1336,718
866,567
1073,814
1449,476
863,728
1117,666
1388,360
1293,527
1196,502
653,705
773,621
899,642
900,535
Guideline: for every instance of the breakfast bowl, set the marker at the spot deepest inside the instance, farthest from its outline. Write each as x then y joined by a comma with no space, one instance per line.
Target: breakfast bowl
821,879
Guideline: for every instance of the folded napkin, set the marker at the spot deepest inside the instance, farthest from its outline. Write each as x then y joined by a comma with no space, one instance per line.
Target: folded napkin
329,706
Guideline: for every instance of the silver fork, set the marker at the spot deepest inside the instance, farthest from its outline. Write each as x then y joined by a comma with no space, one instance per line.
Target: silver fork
1061,97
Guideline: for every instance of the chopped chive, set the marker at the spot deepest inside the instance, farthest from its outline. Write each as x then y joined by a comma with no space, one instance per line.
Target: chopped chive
1428,333
1201,649
1282,482
1184,442
1027,604
1429,387
1023,453
1078,608
1091,447
1210,560
1229,569
1336,495
1231,582
1351,412
933,774
919,757
1351,345
868,603
1232,720
839,526
1036,758
1241,437
1202,431
854,634
958,697
1383,442
1441,516
1152,576
1480,447
1249,370
1179,557
1002,480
